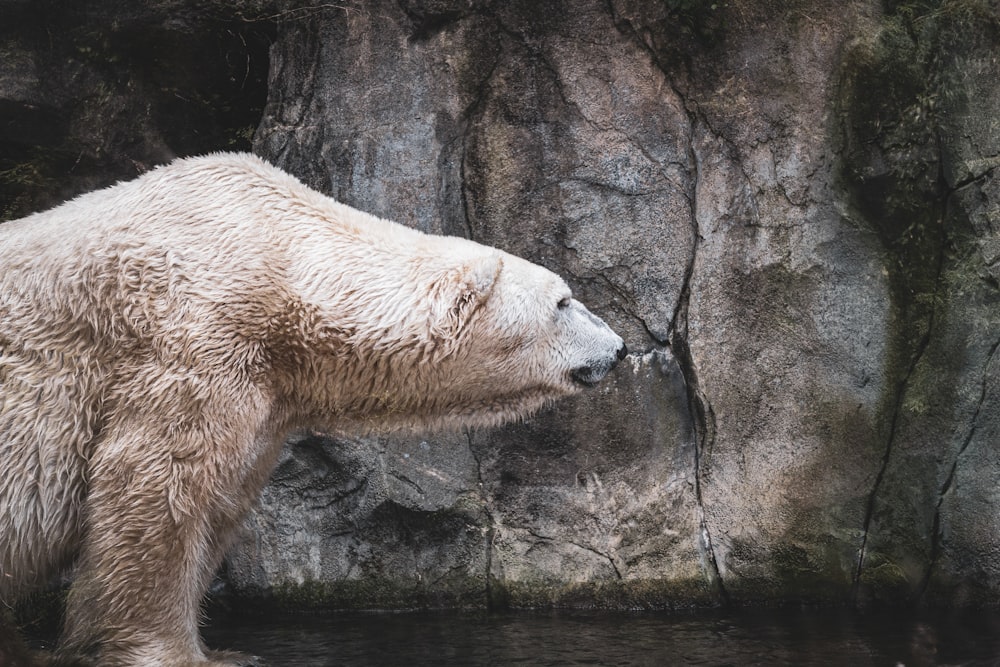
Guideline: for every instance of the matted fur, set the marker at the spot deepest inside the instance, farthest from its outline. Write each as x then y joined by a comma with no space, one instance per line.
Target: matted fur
160,338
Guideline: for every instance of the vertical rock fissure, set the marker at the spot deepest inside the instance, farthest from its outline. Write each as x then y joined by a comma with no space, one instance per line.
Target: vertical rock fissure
469,126
699,407
936,534
900,396
490,524
703,417
463,191
305,100
902,387
870,505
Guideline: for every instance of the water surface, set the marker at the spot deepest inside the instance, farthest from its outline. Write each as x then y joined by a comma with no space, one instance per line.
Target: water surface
740,638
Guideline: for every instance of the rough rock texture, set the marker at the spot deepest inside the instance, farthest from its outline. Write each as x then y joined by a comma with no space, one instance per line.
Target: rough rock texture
789,209
94,91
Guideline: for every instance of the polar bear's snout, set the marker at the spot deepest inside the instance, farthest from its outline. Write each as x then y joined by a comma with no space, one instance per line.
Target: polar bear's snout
604,348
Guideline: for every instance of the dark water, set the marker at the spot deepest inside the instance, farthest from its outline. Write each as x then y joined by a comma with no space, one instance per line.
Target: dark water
749,637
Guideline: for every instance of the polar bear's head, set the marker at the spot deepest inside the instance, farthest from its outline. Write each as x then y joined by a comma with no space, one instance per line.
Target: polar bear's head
496,338
414,330
497,313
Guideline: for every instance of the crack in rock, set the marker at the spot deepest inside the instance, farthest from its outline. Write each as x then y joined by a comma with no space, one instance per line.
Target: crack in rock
699,406
936,532
902,388
407,481
491,530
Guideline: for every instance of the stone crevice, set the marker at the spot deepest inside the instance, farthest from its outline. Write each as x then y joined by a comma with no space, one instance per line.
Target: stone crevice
608,557
936,533
976,177
407,481
339,497
900,397
291,117
582,547
468,126
898,400
699,405
491,528
426,25
705,429
627,305
596,125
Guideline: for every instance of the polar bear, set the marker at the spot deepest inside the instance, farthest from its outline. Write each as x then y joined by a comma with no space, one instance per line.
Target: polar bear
161,337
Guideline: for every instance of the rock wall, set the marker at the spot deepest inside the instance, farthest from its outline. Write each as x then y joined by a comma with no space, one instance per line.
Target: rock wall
788,209
96,91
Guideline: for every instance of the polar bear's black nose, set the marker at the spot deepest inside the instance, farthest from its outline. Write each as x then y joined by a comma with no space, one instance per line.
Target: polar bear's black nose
622,352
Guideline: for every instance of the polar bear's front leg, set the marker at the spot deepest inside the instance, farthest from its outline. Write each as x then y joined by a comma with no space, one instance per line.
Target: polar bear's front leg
136,594
154,523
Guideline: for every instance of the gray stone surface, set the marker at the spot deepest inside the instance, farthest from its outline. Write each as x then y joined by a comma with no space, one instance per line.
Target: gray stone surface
788,209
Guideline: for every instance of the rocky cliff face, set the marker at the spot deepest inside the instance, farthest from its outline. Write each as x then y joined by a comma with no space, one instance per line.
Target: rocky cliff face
788,209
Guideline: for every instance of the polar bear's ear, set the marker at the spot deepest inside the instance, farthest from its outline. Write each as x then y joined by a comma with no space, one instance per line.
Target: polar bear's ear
459,293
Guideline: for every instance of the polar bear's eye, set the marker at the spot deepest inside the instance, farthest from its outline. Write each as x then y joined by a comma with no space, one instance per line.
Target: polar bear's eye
563,303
